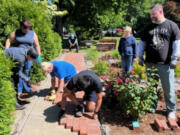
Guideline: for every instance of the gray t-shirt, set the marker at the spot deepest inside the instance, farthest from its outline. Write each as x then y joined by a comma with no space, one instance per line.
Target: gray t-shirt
18,55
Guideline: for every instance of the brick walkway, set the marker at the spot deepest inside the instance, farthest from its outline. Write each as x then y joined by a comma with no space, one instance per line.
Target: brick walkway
84,125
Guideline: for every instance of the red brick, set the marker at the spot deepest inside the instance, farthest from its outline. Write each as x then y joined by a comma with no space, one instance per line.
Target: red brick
165,126
76,126
158,125
83,126
173,124
69,123
83,130
63,121
94,132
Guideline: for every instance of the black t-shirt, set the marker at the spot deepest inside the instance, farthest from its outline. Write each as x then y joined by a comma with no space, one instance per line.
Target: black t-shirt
95,83
159,39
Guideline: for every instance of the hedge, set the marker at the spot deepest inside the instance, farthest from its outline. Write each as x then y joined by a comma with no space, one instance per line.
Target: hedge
7,95
12,12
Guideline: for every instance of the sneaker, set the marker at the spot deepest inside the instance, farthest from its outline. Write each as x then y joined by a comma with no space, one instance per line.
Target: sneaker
79,111
19,107
172,115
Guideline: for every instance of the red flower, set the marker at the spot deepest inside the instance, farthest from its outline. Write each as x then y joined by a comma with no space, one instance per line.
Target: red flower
119,81
107,87
103,77
116,92
110,70
132,72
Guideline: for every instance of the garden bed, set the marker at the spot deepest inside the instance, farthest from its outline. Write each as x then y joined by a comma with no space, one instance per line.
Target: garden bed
106,44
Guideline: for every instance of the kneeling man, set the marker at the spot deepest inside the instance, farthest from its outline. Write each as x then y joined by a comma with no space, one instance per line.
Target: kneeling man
88,82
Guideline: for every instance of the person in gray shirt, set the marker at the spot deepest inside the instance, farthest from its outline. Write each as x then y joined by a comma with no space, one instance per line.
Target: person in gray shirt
20,55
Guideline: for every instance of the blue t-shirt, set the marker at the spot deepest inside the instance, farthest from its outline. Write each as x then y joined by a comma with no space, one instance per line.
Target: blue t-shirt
63,70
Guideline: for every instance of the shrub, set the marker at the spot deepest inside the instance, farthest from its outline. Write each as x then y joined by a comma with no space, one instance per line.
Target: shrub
36,73
140,70
7,95
101,67
13,11
177,71
134,97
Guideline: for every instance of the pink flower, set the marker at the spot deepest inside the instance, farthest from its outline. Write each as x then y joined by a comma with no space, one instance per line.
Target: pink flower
119,81
116,92
103,77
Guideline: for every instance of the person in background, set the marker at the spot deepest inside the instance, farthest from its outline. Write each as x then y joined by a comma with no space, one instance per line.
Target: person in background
27,39
127,49
73,41
62,70
161,42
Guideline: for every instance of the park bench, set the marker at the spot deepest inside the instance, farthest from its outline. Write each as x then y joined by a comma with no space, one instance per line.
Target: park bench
106,44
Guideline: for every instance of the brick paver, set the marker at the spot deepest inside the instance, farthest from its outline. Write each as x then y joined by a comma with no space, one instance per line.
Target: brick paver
85,125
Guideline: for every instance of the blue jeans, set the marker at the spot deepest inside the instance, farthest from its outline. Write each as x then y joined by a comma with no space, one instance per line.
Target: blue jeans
127,62
167,80
22,84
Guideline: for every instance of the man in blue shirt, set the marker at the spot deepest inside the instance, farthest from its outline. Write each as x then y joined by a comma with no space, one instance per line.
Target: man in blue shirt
63,70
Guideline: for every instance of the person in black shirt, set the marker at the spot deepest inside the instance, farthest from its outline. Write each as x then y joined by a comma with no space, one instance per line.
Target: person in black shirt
161,43
88,82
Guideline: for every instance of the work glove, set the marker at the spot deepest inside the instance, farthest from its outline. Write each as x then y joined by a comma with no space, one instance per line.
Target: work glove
39,59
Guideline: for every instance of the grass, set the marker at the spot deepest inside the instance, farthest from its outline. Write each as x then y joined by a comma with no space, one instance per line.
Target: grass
92,53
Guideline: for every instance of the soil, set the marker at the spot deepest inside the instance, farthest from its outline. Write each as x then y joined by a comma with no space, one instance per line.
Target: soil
120,124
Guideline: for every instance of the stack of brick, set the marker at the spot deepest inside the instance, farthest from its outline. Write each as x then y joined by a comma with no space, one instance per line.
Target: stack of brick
162,125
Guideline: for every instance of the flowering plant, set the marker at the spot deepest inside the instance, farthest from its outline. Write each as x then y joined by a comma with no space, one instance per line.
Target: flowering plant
134,96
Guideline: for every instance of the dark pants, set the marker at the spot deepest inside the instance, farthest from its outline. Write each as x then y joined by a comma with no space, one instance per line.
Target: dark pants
90,96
